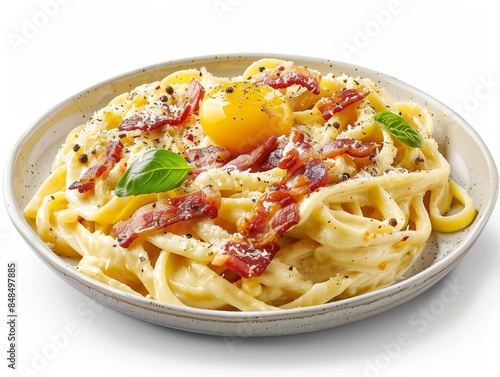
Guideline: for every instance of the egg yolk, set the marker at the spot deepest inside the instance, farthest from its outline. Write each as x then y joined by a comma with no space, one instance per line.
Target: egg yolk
241,115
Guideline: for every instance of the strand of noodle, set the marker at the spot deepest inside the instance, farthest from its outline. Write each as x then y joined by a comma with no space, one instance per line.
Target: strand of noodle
321,293
456,221
236,180
162,289
89,266
47,224
110,212
54,183
224,290
279,275
301,249
190,248
209,232
185,285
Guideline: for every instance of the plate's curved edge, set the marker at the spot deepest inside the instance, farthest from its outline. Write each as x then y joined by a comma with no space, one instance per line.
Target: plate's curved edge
232,319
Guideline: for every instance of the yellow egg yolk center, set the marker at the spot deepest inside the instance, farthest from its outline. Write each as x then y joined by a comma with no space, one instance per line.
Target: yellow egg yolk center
241,115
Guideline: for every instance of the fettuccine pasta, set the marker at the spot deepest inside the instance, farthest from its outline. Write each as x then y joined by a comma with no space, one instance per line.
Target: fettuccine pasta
292,189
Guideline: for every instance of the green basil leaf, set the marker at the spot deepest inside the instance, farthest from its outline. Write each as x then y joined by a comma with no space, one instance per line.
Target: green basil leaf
155,171
399,128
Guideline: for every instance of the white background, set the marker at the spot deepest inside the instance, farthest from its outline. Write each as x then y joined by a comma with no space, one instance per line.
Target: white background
51,49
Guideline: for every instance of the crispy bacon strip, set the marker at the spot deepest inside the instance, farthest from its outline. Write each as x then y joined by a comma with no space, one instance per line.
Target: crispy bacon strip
194,95
88,179
329,106
352,147
282,77
272,215
293,157
245,259
217,157
258,154
306,177
149,122
158,215
273,159
277,158
206,158
211,156
174,115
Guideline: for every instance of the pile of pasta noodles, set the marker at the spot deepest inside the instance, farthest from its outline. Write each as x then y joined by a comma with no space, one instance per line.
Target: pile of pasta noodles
356,232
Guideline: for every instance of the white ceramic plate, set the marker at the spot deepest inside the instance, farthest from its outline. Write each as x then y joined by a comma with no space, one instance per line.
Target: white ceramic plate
472,167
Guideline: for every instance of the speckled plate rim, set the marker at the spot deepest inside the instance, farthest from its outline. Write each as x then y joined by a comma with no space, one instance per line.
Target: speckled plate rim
238,324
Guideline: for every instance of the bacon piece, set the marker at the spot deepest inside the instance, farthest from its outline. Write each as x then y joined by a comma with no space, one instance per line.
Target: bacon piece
293,156
245,161
306,177
273,159
194,95
149,122
279,158
282,77
211,156
272,215
173,115
329,106
298,150
88,179
158,215
217,157
245,259
352,147
206,158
